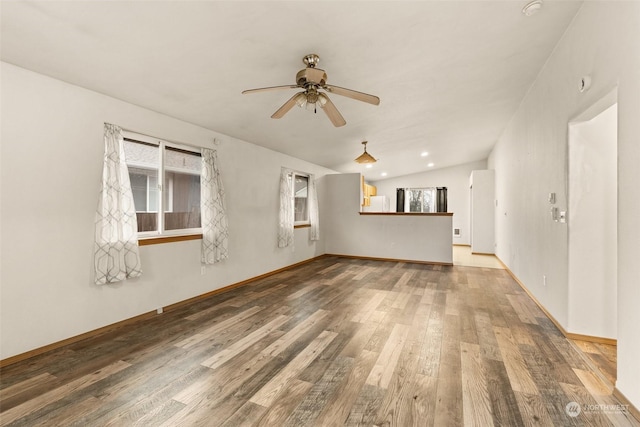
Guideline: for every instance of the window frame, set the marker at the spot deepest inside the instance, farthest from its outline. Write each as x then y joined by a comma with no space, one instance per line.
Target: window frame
422,190
306,222
161,235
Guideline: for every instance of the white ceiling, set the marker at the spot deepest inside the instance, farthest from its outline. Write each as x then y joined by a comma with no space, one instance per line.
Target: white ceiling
450,74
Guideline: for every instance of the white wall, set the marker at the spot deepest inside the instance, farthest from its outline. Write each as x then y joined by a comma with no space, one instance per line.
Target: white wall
51,154
407,237
455,178
482,183
592,223
530,161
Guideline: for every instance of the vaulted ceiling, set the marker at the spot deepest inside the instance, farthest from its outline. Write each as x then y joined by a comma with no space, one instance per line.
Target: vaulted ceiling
450,74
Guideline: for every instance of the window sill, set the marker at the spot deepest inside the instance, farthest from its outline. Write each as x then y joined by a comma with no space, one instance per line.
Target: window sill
168,239
302,226
409,213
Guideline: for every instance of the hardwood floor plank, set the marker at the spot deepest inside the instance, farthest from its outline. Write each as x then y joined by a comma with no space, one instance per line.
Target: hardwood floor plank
284,406
299,330
544,375
225,355
581,396
212,330
397,405
592,383
406,277
522,309
67,415
424,395
514,363
430,352
45,399
468,325
474,280
475,395
139,399
15,394
303,291
381,373
320,394
519,331
226,394
449,391
336,341
229,377
556,362
567,351
267,394
369,307
359,340
248,414
504,403
336,411
316,370
420,322
215,312
363,412
155,416
533,410
486,336
364,272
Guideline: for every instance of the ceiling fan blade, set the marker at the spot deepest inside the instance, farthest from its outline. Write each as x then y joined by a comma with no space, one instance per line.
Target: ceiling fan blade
287,106
360,96
266,89
331,111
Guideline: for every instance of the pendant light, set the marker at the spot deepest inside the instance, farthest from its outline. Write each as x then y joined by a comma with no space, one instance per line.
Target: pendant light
365,157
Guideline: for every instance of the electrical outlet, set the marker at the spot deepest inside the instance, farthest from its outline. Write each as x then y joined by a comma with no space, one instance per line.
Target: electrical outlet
203,270
544,280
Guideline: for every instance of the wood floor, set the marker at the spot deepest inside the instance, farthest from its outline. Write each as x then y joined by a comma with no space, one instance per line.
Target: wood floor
333,342
603,356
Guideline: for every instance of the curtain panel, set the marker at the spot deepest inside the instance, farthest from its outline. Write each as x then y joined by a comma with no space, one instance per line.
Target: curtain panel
314,217
286,214
116,255
215,229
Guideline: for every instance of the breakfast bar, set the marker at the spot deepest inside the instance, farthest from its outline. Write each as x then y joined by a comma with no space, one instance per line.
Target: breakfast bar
415,237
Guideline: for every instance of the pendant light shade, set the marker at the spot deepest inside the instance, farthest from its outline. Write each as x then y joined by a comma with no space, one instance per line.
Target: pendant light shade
365,157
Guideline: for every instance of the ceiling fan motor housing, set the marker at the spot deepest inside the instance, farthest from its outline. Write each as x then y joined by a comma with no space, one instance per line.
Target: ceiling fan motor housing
311,76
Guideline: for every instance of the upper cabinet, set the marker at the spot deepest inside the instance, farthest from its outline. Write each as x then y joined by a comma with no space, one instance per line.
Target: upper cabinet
367,192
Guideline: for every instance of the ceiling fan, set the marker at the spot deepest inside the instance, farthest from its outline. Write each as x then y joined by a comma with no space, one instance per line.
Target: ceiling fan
312,79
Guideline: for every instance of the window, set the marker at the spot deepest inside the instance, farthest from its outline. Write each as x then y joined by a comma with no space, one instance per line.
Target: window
165,181
423,200
301,199
420,200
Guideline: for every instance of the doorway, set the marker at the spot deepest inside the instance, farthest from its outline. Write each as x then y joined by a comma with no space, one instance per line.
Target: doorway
593,221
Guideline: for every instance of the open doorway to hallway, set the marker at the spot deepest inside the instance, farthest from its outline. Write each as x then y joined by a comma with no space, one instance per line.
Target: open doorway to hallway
592,232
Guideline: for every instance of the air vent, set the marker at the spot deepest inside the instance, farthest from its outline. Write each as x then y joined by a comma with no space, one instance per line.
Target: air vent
456,232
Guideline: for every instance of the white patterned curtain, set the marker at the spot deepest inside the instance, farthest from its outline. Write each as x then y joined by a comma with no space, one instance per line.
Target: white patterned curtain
286,216
215,231
116,256
314,218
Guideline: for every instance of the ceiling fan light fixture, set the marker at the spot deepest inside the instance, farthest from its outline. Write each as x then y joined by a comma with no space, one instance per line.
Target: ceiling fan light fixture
365,157
312,80
301,100
532,8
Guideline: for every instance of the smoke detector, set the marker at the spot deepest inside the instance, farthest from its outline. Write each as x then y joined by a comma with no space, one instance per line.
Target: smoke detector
532,7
